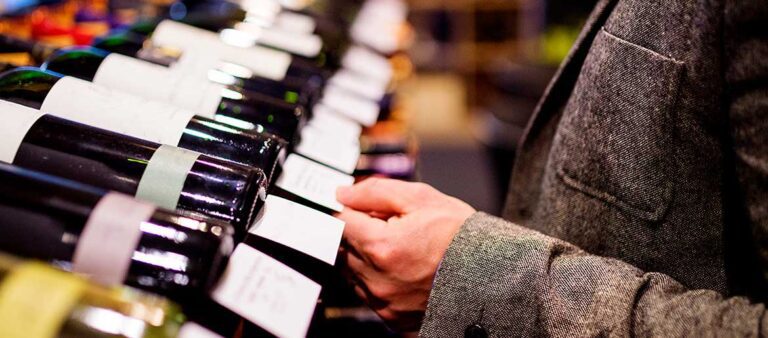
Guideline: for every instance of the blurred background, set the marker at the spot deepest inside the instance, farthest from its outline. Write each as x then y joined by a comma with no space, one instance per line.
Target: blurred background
481,67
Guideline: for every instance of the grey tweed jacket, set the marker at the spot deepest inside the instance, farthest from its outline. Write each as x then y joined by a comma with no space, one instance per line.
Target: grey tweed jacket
639,202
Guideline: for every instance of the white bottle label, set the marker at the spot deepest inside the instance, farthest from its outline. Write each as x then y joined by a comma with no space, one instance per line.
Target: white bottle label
363,85
308,45
313,181
163,179
366,61
267,293
192,330
377,24
351,105
17,120
264,62
333,123
328,149
296,226
295,22
106,108
159,83
110,237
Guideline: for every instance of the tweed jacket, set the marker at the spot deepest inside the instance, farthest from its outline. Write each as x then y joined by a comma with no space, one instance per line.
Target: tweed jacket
639,201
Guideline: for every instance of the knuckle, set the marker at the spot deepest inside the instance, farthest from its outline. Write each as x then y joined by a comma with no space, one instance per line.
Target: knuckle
382,291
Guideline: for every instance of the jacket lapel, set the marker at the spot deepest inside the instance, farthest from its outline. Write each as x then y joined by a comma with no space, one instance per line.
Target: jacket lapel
559,89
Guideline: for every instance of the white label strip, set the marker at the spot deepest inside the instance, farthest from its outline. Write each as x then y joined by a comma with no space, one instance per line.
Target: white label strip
368,87
304,229
296,22
366,61
164,177
264,62
362,110
16,122
313,181
267,293
106,108
329,121
192,330
327,149
110,237
160,83
308,45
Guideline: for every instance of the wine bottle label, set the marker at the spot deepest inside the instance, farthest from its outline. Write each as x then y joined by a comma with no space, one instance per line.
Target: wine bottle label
368,62
308,45
164,177
35,301
159,83
295,22
192,330
262,61
296,226
365,86
351,105
17,120
110,237
327,120
98,106
328,149
267,293
313,181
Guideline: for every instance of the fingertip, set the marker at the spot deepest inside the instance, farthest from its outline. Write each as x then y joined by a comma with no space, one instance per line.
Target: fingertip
342,193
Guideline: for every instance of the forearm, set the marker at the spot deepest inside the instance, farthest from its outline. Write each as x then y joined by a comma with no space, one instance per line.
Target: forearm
517,282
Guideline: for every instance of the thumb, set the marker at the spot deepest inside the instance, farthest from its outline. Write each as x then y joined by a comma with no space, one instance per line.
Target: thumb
380,195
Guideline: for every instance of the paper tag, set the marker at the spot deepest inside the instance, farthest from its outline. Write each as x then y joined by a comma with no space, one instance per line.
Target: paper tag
335,124
362,110
267,293
263,61
377,24
36,300
16,122
163,179
365,86
313,181
160,83
192,330
327,149
109,109
368,62
295,22
110,237
304,229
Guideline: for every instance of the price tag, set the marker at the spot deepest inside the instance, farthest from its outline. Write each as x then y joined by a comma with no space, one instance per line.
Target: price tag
335,124
267,293
325,148
369,87
313,181
296,226
351,105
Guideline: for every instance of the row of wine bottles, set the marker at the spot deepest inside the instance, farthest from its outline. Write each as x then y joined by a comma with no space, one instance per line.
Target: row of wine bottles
194,159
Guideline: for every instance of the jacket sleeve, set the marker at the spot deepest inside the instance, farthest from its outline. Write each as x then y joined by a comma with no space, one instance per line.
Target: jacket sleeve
746,77
515,282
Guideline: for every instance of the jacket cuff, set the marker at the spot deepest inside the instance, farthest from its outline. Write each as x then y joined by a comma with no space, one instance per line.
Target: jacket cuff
473,286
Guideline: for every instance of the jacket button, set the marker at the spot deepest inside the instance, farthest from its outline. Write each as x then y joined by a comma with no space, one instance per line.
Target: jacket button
475,331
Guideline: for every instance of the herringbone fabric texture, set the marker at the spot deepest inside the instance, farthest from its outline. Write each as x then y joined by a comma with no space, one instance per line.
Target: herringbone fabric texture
639,201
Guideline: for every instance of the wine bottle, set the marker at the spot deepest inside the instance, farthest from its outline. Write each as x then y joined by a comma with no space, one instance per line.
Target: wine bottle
37,300
291,88
84,102
108,236
164,175
253,111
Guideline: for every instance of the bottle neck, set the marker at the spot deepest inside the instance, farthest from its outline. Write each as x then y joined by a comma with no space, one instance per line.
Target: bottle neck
38,51
27,86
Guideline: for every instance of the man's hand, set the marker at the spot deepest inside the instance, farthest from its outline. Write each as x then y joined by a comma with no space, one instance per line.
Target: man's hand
396,235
